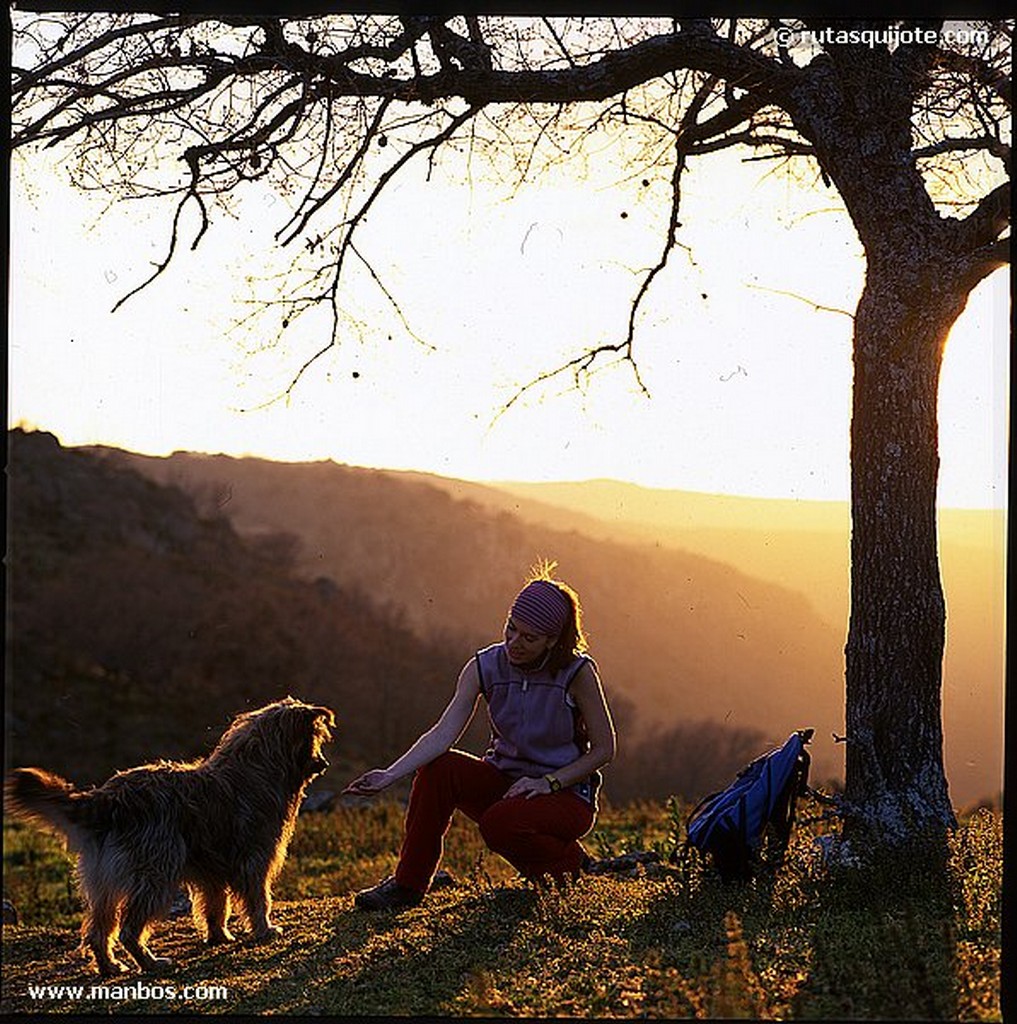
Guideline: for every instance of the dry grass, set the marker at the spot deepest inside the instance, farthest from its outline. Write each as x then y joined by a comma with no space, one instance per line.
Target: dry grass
667,942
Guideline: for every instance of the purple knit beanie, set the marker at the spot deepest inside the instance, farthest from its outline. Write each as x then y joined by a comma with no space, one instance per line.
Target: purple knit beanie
543,606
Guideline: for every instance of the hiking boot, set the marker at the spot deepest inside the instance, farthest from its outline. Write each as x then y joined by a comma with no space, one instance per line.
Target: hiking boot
387,895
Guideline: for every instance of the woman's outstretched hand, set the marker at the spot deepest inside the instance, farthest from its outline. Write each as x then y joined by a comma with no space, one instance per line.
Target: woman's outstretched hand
369,783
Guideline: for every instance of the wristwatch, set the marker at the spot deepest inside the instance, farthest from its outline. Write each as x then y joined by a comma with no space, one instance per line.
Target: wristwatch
553,783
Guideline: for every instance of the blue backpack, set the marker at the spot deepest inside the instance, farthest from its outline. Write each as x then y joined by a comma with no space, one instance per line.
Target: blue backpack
730,825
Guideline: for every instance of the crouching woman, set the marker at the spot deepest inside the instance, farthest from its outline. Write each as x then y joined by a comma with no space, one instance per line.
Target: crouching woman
534,792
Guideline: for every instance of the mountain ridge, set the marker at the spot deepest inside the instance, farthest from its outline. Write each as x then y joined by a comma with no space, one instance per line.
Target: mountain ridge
423,555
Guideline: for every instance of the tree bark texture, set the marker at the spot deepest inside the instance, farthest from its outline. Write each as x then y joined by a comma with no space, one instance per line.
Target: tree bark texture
896,636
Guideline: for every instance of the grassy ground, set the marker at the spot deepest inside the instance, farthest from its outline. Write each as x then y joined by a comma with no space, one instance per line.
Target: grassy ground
662,941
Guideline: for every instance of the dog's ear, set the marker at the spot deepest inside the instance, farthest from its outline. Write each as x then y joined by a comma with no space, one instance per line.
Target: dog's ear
325,714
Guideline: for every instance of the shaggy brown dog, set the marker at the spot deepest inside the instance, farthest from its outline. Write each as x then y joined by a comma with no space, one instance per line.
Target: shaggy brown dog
219,826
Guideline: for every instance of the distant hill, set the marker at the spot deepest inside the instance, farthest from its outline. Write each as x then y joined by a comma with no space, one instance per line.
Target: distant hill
137,628
678,636
140,620
801,544
806,546
698,606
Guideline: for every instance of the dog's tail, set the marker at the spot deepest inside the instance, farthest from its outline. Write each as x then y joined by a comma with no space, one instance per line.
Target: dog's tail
44,799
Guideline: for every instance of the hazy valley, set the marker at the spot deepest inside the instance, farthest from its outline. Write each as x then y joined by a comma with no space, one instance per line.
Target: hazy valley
699,608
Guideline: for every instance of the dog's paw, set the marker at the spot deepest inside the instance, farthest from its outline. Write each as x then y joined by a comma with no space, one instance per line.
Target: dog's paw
160,965
112,969
269,934
220,938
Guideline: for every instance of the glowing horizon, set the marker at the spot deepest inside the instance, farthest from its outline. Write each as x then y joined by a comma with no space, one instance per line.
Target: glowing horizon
744,348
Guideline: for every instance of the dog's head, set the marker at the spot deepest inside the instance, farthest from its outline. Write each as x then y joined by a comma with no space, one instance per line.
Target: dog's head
322,722
287,734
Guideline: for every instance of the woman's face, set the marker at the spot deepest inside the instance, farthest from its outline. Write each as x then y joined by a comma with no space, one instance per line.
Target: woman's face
523,644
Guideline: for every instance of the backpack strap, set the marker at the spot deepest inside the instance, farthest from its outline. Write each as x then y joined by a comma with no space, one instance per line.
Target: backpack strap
743,831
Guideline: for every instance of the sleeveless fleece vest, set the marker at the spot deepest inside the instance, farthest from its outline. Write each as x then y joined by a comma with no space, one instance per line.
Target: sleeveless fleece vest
535,724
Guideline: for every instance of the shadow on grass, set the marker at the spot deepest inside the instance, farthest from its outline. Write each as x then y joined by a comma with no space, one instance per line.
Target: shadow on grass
884,942
808,943
331,959
383,964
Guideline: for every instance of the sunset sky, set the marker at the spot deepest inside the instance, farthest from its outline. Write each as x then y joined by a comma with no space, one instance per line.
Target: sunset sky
749,382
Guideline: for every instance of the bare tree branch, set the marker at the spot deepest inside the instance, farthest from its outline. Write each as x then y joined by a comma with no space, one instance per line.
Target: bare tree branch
391,298
557,38
610,75
818,307
687,130
141,71
161,267
988,143
351,225
370,135
987,221
978,70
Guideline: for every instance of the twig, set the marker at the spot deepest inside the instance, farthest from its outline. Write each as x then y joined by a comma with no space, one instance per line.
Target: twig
818,307
160,267
353,223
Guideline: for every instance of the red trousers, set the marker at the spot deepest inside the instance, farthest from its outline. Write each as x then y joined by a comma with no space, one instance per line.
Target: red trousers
537,835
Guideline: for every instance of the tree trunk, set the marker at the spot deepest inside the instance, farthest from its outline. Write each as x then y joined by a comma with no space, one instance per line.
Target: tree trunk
895,782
